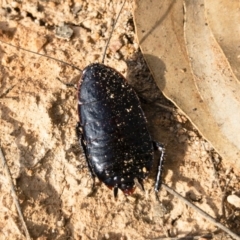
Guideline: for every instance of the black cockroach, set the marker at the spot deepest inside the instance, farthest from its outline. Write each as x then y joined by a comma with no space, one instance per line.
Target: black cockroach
112,128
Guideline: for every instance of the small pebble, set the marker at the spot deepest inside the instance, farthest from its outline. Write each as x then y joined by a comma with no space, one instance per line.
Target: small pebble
192,134
14,4
234,200
77,8
64,32
179,119
107,236
117,56
61,222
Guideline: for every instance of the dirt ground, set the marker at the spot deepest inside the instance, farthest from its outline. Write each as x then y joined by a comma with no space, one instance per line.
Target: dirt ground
38,118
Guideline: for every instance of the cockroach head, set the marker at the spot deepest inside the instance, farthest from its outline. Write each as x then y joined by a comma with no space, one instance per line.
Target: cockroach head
128,187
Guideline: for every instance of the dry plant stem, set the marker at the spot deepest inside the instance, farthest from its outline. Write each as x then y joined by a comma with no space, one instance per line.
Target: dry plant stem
171,109
7,91
199,210
14,195
209,236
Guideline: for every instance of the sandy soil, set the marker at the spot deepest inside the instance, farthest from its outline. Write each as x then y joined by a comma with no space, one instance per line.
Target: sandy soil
38,118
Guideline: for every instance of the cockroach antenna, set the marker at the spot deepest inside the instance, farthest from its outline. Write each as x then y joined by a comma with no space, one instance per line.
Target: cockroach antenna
42,55
110,36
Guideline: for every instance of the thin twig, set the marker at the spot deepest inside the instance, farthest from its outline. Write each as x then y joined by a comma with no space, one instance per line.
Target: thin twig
208,236
170,109
14,195
199,210
7,91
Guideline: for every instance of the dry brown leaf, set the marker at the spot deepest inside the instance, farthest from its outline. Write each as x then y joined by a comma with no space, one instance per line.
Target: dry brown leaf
224,18
212,105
